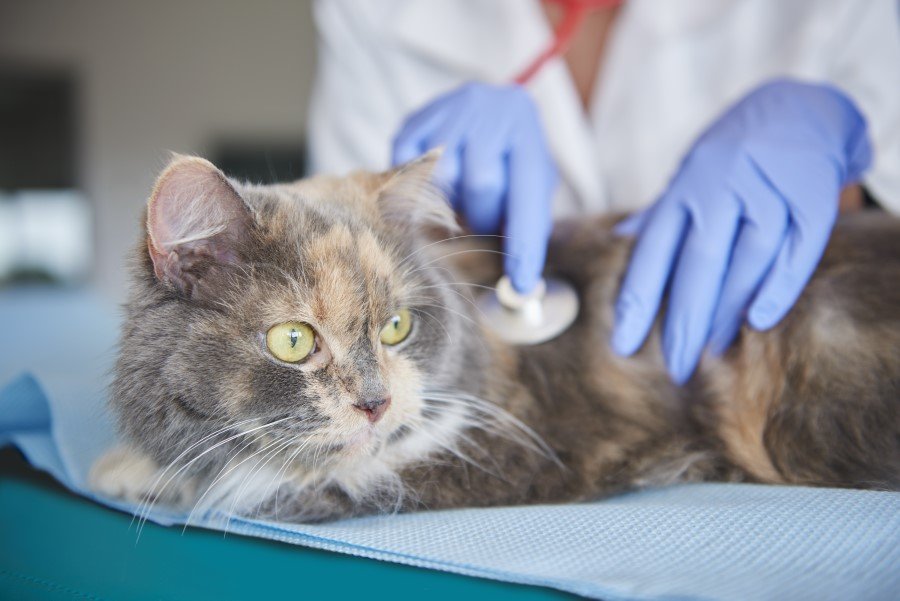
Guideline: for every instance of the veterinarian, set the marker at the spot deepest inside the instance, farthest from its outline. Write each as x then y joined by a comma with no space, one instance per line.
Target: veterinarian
735,126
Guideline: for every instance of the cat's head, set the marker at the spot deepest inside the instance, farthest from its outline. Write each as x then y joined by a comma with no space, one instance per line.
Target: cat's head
311,315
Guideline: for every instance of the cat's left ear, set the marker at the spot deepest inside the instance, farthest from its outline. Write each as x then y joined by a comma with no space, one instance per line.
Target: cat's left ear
411,199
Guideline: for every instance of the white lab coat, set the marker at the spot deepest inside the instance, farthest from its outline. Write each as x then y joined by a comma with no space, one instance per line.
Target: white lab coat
671,67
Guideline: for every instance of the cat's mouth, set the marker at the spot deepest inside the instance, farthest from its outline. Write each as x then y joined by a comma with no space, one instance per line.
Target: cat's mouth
360,440
369,438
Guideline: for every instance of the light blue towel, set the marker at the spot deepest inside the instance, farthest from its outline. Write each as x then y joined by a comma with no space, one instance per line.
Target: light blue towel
684,542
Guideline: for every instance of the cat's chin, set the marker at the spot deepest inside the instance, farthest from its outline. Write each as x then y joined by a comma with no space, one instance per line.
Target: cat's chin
367,440
362,442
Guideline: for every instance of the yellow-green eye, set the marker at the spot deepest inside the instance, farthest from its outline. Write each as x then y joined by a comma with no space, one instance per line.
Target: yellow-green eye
397,328
291,342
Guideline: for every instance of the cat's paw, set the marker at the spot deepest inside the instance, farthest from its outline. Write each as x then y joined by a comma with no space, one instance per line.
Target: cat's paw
127,474
123,473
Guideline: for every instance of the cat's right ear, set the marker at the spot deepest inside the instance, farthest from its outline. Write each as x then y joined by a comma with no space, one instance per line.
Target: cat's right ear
196,225
411,198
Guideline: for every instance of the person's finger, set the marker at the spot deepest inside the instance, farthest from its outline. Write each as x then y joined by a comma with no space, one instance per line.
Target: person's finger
794,266
762,231
647,274
483,186
633,224
450,134
696,283
406,149
410,141
532,181
813,206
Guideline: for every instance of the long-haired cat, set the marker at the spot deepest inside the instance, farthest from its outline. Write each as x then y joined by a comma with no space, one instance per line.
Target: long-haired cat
307,351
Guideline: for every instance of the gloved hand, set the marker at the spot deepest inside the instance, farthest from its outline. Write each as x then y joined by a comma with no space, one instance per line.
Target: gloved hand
497,166
743,223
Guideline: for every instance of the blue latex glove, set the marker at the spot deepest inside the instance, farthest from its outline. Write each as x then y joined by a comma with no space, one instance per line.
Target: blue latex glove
497,167
743,223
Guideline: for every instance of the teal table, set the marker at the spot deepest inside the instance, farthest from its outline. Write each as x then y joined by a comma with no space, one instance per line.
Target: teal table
55,545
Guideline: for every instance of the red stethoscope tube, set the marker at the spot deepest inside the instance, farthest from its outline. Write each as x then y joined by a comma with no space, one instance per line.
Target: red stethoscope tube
574,12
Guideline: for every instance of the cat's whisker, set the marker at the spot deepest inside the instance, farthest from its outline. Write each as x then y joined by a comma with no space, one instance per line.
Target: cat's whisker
285,467
236,453
156,495
425,313
262,498
284,443
152,496
446,308
316,448
455,449
251,473
281,471
445,284
471,322
452,446
417,280
457,253
515,430
450,239
224,474
459,294
330,438
138,509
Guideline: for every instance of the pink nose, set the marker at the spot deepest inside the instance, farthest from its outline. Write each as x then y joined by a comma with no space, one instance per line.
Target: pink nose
374,408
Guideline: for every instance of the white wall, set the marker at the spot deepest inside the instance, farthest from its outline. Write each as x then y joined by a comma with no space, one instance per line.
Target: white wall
158,76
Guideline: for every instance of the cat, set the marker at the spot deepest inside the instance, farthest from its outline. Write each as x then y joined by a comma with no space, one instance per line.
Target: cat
307,352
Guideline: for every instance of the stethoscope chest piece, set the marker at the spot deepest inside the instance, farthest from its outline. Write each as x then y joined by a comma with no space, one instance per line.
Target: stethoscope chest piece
533,318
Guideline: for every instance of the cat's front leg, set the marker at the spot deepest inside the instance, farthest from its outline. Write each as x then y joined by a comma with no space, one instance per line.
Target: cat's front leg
131,475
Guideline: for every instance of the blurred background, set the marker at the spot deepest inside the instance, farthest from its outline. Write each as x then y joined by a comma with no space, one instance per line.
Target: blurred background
95,94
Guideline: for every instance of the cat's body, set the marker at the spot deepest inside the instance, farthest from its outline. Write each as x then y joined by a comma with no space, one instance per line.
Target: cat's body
470,421
814,401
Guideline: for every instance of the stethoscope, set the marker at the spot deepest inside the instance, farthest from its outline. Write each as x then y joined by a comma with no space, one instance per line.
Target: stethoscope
574,13
549,309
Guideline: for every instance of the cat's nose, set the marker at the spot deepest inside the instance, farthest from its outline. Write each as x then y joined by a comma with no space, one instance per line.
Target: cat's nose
373,408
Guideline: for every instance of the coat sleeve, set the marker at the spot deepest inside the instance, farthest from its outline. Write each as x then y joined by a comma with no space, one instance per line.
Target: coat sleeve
353,113
867,67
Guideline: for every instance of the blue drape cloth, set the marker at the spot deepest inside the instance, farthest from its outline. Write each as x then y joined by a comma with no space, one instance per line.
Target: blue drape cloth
711,541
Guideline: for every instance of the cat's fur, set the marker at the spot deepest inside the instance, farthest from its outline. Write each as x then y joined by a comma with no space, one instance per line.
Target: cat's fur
211,420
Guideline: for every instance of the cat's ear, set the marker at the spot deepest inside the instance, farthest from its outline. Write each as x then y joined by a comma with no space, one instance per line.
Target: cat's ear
196,224
411,198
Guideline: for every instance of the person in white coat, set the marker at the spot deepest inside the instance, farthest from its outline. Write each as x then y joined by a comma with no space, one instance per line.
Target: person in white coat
658,105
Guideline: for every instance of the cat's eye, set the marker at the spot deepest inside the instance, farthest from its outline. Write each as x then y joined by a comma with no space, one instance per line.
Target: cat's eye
397,328
291,342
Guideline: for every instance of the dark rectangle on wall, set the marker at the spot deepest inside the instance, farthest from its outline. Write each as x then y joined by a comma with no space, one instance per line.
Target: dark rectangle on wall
260,161
37,129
